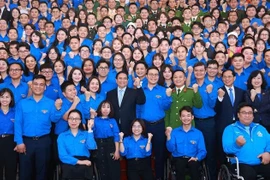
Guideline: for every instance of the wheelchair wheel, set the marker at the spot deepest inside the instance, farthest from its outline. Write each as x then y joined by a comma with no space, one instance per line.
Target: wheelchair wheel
224,173
204,172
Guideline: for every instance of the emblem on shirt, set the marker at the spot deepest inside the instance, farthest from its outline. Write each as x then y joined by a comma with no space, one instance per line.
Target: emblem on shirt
55,90
12,120
23,95
111,125
193,142
158,96
44,111
82,141
259,134
142,146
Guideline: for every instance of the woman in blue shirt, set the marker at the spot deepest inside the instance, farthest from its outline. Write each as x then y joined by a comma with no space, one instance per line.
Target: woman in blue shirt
106,133
76,76
8,157
31,68
137,150
74,146
92,98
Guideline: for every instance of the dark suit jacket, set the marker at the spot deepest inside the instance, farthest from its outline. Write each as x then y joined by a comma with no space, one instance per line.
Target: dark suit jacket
262,112
125,113
6,15
225,110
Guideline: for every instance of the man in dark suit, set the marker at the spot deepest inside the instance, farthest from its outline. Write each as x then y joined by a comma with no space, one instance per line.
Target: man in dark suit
4,13
229,97
124,101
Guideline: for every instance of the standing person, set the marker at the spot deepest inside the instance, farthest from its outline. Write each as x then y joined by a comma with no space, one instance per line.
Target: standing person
259,97
32,128
186,144
16,85
181,96
137,149
158,100
250,142
74,145
204,117
229,97
124,101
8,157
106,133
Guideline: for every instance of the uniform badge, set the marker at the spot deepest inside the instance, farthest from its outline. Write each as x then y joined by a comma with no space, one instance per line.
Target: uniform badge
111,125
55,90
44,111
23,95
158,96
193,142
259,134
142,146
12,120
82,141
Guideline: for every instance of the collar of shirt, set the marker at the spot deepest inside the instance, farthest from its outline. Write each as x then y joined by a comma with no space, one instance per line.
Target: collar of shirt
182,129
181,88
124,89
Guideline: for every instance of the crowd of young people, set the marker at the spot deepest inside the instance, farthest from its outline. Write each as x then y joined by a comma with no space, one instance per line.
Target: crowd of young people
107,66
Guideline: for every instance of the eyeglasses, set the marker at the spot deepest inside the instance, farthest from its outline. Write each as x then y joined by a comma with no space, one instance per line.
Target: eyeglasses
25,51
246,113
103,68
153,75
74,119
37,84
15,70
47,72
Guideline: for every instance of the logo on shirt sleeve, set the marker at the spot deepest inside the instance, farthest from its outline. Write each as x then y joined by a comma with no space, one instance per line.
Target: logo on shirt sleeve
259,134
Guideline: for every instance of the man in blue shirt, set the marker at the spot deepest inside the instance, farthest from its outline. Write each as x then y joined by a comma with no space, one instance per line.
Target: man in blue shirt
238,67
250,142
158,100
204,116
32,128
16,85
186,144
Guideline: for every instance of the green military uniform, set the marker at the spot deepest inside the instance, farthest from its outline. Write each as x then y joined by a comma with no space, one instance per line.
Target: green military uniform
186,97
186,27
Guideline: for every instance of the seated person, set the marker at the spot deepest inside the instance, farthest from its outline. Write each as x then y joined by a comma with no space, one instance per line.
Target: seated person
250,142
186,144
73,147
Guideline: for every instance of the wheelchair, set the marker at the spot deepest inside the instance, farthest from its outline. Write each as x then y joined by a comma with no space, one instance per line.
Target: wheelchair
58,173
171,172
226,172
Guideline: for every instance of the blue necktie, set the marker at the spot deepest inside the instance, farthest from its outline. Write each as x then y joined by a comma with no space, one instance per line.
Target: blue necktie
120,98
231,96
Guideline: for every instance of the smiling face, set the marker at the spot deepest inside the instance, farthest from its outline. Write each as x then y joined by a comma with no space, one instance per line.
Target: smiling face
94,85
137,128
5,99
245,115
74,120
105,109
186,117
257,81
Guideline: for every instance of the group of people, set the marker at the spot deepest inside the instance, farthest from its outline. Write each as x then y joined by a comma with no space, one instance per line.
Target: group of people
133,79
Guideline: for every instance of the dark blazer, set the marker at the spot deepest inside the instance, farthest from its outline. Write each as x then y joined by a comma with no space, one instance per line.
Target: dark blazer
6,15
225,110
261,106
125,113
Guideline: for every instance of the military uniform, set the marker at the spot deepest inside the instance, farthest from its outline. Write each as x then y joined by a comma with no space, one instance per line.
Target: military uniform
186,97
